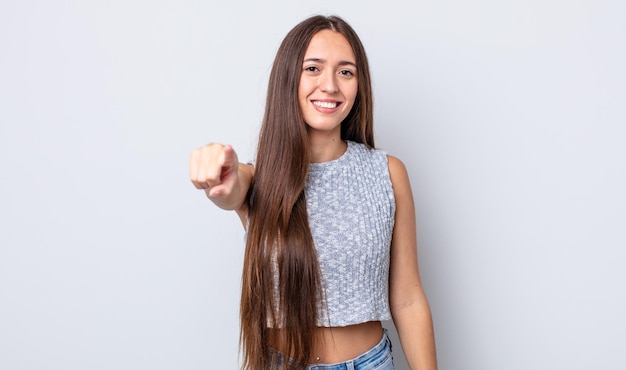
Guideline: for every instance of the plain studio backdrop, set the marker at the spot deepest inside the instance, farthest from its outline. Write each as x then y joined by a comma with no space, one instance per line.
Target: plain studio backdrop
509,115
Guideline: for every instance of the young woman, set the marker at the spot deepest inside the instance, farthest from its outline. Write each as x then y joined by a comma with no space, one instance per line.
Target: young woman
331,245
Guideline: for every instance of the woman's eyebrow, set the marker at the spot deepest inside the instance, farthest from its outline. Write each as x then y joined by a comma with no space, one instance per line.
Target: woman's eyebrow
320,60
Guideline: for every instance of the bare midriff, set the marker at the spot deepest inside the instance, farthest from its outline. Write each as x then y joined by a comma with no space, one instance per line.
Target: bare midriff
342,343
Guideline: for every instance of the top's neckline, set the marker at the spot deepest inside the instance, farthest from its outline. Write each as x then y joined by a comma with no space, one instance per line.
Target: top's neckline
342,158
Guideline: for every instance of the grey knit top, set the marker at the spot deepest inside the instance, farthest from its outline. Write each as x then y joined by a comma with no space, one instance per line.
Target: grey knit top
351,208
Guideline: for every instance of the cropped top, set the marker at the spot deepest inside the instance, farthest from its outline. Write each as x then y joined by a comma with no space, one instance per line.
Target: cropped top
351,209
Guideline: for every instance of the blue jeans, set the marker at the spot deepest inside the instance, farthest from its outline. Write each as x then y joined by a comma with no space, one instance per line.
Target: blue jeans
377,358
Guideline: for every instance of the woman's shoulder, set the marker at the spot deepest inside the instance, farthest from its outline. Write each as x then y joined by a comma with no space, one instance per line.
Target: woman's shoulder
363,150
396,167
395,164
398,175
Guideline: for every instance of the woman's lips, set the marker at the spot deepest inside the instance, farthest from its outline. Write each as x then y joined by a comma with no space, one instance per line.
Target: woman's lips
325,106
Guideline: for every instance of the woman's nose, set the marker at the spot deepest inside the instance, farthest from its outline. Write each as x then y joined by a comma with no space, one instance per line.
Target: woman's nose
328,82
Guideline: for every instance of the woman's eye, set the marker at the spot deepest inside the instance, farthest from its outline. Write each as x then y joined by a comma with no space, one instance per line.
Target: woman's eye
346,73
311,69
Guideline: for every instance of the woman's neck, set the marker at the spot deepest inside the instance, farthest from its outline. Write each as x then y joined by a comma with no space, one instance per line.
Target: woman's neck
325,149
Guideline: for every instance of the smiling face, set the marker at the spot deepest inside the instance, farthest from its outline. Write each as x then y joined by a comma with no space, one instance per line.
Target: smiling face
328,83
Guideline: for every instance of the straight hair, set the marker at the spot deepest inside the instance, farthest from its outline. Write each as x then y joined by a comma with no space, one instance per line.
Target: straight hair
281,283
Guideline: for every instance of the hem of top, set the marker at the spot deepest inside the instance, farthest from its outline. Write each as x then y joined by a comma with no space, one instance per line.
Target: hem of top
342,324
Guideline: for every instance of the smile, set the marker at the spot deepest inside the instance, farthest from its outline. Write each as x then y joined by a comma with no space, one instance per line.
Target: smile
324,104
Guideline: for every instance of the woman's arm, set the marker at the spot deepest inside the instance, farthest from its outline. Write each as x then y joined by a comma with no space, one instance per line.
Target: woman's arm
409,305
216,169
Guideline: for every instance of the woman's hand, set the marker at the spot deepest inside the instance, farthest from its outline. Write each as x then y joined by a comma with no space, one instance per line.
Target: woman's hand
216,169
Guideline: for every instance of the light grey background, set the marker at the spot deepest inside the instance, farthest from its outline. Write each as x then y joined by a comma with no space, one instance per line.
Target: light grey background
508,114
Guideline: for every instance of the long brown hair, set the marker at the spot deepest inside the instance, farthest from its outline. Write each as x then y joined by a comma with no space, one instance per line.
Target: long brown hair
281,284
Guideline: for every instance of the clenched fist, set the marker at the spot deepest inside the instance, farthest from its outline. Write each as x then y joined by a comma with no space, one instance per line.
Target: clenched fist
216,169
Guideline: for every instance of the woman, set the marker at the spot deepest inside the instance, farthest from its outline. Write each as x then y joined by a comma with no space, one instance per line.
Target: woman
331,246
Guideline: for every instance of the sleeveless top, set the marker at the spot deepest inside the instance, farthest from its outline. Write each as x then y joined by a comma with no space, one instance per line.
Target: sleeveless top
351,209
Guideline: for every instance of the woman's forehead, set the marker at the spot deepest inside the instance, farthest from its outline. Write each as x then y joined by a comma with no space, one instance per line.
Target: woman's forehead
329,45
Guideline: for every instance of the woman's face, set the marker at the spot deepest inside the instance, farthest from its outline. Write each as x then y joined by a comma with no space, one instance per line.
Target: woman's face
328,82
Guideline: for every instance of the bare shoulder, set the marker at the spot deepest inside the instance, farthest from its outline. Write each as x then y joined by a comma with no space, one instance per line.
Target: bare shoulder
398,174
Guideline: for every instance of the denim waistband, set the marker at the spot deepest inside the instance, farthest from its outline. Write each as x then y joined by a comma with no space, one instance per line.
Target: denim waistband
379,350
383,346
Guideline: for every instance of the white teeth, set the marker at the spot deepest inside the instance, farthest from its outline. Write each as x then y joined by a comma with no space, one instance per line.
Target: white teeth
323,104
